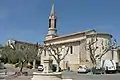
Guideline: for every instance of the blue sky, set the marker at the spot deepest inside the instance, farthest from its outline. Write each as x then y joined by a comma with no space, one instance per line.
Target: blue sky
27,20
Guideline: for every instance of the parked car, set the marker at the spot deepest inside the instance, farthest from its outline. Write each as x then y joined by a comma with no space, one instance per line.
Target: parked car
40,68
83,69
118,69
98,70
109,66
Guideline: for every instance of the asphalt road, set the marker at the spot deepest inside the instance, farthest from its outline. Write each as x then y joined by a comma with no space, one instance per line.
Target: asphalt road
76,76
66,75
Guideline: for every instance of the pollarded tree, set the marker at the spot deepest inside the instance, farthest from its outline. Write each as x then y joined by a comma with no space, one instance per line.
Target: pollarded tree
92,48
56,51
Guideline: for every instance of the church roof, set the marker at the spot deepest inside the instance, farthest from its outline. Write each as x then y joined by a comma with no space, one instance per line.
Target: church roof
77,33
86,32
100,33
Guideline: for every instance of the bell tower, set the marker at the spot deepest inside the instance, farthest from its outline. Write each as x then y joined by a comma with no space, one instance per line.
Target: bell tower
52,32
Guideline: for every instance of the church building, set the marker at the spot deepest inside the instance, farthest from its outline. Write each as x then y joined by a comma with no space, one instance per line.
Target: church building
78,53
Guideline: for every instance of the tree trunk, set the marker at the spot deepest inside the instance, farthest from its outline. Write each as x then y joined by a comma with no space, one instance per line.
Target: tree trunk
40,59
95,64
98,63
58,66
34,63
21,68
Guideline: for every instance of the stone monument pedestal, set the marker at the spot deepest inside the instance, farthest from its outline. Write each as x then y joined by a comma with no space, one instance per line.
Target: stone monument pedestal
47,76
47,65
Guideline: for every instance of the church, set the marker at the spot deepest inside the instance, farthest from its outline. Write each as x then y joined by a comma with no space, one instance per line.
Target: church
78,54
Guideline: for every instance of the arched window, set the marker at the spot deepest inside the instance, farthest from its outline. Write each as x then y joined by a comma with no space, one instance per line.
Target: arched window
71,49
55,24
49,23
44,52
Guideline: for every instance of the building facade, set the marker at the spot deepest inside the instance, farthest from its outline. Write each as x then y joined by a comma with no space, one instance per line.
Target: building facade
78,53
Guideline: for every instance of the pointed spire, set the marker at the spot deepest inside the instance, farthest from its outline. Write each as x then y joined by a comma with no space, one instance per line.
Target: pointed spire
53,9
52,32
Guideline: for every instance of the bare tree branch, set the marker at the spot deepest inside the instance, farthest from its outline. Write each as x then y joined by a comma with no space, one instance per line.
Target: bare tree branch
104,52
54,48
91,43
65,53
52,55
61,49
91,55
55,51
94,50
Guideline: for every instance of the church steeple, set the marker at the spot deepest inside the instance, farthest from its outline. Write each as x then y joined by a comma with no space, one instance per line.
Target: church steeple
52,10
52,32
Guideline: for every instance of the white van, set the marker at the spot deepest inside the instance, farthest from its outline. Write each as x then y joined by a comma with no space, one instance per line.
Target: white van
109,65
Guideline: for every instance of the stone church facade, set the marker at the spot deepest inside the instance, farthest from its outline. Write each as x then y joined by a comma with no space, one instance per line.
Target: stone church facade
78,53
